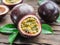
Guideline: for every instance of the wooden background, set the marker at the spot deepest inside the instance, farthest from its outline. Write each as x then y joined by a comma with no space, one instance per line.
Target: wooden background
41,39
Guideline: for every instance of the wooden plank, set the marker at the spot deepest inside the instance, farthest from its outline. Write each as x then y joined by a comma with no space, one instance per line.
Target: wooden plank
49,39
6,20
52,38
56,28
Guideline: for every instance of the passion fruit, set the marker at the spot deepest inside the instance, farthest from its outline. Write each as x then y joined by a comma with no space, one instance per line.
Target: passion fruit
21,10
12,3
48,11
29,26
3,11
27,22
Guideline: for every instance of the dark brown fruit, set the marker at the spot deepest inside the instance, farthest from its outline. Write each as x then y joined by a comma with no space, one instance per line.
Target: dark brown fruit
11,3
20,11
24,17
3,11
48,11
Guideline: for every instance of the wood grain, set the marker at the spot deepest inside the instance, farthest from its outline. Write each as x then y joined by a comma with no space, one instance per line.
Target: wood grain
48,39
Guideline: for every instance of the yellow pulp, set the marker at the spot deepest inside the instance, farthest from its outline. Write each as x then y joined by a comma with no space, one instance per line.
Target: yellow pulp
30,25
12,1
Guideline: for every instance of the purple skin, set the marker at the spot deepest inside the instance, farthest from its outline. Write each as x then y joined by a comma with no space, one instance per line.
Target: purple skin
17,14
25,36
48,11
11,6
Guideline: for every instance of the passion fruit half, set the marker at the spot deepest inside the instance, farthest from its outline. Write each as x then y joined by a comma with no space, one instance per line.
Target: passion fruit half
3,11
28,24
11,3
48,11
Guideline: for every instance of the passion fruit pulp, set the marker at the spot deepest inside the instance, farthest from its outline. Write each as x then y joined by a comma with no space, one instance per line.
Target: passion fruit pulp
28,24
11,3
48,11
3,11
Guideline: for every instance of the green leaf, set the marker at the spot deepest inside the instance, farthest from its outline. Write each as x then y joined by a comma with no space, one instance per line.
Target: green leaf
12,37
40,1
58,20
9,28
46,29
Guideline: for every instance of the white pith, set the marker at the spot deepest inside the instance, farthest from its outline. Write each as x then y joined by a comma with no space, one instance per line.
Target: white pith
6,9
39,29
4,1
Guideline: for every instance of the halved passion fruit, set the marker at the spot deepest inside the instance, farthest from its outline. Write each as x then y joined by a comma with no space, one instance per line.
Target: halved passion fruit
12,3
3,10
28,24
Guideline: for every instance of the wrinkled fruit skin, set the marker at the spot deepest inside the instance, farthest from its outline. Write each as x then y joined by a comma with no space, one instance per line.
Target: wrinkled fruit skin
20,11
48,11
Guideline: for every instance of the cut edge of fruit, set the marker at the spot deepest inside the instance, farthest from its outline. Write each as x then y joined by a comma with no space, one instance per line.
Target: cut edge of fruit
19,25
6,9
11,3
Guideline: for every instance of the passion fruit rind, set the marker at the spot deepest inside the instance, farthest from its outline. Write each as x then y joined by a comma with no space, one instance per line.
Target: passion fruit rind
30,30
48,11
11,5
20,11
25,36
6,10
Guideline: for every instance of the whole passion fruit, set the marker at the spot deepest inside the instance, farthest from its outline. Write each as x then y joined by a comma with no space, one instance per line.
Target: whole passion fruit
27,22
3,11
12,3
21,10
48,11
